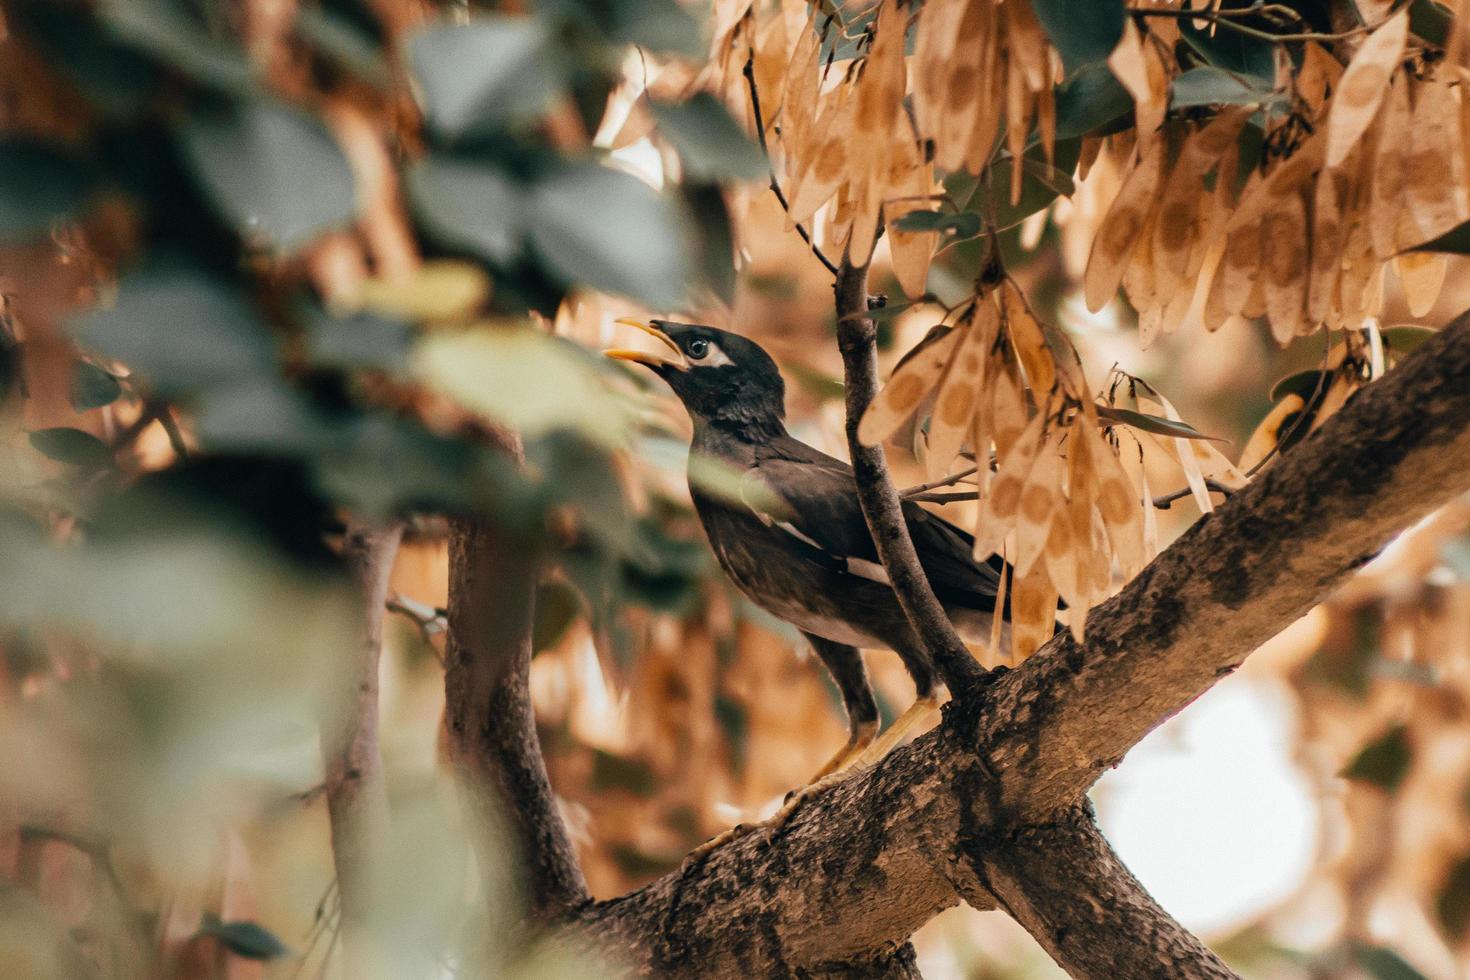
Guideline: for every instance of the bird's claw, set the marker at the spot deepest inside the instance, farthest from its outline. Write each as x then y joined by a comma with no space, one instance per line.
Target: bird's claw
773,826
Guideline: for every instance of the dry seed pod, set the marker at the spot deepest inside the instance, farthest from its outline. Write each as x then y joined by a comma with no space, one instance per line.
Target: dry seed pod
1327,243
1388,168
1033,613
1361,90
1029,340
824,156
903,392
1421,274
1009,417
1435,195
1138,66
1121,230
1285,265
1236,276
964,380
1177,228
1000,510
1117,504
1040,500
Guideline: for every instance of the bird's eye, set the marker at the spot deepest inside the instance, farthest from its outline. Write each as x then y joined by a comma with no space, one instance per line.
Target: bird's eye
697,348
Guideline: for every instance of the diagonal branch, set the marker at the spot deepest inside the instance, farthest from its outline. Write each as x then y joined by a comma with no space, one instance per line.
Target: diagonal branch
857,336
985,807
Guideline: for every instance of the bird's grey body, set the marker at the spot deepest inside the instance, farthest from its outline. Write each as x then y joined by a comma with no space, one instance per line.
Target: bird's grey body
797,545
794,539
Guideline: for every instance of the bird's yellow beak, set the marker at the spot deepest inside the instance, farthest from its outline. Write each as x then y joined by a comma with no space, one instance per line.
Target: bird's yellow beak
678,361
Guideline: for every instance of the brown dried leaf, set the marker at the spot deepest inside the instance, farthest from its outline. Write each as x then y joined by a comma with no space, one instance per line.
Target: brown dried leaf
1286,265
1394,140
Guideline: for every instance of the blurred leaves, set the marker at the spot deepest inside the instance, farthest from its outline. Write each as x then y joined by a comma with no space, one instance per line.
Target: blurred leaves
1384,762
596,226
248,939
1084,34
72,446
181,329
494,71
92,387
710,142
468,204
274,173
39,185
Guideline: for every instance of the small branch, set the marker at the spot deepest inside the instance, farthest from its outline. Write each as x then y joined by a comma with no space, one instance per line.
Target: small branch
171,429
488,719
943,498
857,338
946,481
1163,501
357,797
760,132
1227,20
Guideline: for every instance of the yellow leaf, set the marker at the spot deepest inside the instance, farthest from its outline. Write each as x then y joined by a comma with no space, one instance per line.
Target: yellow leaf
1435,197
1033,613
1422,275
1000,510
1041,499
1388,168
443,289
1285,264
964,380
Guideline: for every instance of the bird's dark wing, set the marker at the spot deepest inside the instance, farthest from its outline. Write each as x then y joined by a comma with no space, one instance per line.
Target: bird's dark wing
819,505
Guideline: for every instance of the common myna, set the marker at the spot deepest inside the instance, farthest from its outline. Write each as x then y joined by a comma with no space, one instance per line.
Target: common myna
797,543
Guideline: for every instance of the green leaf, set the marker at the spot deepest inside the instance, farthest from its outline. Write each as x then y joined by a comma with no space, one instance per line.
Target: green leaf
1090,100
1384,762
1452,905
1041,183
557,607
361,341
1384,964
716,238
92,387
1304,384
1153,423
345,43
39,185
478,77
594,226
1406,338
72,446
711,144
262,415
658,25
114,77
962,224
274,173
181,330
468,204
1233,52
1456,241
1430,21
248,939
1208,85
174,32
1084,33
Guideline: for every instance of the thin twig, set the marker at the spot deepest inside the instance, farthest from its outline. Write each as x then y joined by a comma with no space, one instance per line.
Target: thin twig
760,132
175,437
1227,20
947,481
1163,501
953,497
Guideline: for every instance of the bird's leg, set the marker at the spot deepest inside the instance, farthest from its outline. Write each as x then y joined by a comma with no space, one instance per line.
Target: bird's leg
918,716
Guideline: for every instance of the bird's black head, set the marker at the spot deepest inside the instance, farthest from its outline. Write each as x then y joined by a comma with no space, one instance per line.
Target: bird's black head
722,378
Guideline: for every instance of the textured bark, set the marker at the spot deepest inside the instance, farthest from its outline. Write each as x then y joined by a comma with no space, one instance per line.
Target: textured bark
1066,886
857,337
357,799
988,807
489,722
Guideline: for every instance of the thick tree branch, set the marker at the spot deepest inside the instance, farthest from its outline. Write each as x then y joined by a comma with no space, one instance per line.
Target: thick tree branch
357,800
488,719
1396,451
857,337
1066,886
985,807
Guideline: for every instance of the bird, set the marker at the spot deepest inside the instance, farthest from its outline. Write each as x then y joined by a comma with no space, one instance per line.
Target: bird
795,542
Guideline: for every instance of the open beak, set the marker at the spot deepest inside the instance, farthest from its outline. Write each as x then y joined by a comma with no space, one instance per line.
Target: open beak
677,362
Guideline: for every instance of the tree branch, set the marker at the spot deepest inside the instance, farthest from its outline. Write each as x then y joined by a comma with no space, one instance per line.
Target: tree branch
357,799
489,722
857,337
986,806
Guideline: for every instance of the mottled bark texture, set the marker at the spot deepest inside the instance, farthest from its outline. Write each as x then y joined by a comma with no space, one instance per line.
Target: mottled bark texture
989,807
488,720
357,800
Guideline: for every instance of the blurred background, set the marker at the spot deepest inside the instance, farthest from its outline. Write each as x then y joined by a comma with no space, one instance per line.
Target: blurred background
269,265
